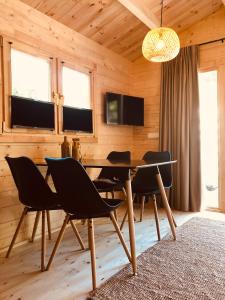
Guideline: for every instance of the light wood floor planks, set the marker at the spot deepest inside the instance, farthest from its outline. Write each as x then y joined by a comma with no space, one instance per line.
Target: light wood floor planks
70,275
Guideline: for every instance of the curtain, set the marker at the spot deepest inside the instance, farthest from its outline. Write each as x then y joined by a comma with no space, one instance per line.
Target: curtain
180,127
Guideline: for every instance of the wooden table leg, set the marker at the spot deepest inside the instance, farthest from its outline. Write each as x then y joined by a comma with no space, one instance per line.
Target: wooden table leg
165,203
131,224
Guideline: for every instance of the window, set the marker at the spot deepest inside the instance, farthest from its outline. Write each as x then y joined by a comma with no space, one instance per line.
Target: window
209,137
76,88
45,95
30,76
29,80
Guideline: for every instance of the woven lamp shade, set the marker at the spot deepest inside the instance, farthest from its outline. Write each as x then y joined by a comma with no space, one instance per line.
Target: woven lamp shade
161,44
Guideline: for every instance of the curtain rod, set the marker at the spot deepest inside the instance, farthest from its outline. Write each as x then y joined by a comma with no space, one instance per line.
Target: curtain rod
213,41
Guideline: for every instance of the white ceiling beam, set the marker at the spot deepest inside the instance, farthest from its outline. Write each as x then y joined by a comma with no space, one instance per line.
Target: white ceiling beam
142,12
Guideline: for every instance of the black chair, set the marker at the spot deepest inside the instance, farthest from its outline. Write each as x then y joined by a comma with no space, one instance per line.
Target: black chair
144,184
80,200
111,180
35,195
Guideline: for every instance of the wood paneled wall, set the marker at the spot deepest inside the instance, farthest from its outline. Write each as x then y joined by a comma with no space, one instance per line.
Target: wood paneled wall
20,22
146,81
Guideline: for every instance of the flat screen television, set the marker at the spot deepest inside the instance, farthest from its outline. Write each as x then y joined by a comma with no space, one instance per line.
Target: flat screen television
76,119
124,110
29,113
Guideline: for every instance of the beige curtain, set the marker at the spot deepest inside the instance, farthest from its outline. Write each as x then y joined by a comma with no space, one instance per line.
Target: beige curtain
180,128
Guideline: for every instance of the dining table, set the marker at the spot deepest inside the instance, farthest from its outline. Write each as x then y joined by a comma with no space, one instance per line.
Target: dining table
132,165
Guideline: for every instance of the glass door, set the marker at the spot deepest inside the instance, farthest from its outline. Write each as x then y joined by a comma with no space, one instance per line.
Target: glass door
209,138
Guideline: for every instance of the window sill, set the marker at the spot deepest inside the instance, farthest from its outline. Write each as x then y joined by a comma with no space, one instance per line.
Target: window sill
41,138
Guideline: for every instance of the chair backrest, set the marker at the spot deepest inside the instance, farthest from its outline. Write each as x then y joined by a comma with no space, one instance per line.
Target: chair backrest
75,189
32,187
145,178
112,173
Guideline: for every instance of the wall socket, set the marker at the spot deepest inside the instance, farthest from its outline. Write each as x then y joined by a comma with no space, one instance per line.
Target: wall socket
153,135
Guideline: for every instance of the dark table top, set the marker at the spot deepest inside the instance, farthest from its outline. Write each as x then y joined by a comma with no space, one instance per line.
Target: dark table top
100,163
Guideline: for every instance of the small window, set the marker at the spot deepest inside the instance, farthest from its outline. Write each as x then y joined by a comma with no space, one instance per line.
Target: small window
76,88
31,76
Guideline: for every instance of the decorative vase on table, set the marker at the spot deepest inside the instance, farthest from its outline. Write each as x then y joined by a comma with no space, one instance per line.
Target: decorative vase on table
76,149
65,148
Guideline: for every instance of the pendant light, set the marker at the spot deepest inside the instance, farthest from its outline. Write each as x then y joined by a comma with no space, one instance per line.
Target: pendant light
161,44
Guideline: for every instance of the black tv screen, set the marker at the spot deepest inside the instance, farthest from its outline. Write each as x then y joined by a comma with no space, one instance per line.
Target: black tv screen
133,110
124,109
31,113
76,119
114,108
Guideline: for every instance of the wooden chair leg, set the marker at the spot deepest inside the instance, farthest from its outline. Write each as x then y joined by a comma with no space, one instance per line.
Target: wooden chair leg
38,213
60,236
115,224
92,249
43,241
124,219
25,210
115,212
142,207
156,217
49,225
77,235
115,215
174,222
125,194
83,221
133,196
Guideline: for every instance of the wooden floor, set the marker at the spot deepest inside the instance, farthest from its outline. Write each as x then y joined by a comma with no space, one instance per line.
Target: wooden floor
70,275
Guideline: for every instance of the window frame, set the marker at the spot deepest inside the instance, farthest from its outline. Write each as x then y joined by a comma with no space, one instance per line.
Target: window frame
89,69
7,46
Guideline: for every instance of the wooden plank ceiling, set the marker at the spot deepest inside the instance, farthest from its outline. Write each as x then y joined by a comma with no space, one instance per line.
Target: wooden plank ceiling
112,25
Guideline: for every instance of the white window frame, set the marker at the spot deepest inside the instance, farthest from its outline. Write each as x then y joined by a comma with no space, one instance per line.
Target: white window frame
7,45
91,70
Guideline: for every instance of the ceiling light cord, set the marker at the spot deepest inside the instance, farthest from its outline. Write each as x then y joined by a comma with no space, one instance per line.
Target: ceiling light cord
161,13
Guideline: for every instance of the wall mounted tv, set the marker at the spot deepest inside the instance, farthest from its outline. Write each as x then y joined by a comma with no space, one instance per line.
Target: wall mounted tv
76,119
124,110
31,113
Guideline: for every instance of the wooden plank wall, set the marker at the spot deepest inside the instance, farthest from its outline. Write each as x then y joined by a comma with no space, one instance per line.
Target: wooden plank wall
22,23
147,82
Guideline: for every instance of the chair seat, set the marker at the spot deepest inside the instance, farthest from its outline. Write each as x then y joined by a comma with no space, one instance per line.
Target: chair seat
112,205
53,207
107,185
136,189
52,204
